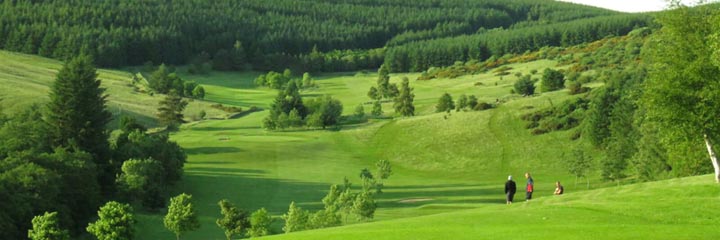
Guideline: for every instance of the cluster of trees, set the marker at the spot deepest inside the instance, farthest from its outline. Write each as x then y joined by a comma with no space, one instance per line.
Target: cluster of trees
271,33
341,201
658,118
280,80
464,102
61,158
116,221
566,115
402,96
165,81
421,55
288,110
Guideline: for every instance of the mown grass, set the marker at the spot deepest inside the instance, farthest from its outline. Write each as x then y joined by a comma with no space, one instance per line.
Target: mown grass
457,162
682,208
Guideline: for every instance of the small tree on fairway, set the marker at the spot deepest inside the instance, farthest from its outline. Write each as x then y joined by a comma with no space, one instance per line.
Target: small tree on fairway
233,220
525,86
47,227
307,81
374,94
170,111
445,103
367,178
377,109
198,92
404,100
384,170
260,222
359,111
115,222
181,216
296,219
462,102
364,205
472,102
579,165
188,87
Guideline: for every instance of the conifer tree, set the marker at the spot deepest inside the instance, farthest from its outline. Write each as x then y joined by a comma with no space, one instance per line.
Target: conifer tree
77,114
404,101
233,221
170,111
296,219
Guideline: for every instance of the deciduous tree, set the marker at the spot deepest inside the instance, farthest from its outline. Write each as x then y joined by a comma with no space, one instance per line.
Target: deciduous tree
181,216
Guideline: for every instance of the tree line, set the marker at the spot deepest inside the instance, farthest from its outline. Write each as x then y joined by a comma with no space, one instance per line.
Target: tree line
121,33
421,55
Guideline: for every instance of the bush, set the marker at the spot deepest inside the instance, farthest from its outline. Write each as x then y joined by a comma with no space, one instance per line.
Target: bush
577,88
552,80
524,86
445,103
482,106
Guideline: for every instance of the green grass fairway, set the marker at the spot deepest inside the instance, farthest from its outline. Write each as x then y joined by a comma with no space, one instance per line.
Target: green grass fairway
684,208
449,162
26,80
449,169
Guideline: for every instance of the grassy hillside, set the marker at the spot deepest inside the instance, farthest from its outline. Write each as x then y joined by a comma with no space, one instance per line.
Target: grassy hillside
449,168
683,208
441,163
27,79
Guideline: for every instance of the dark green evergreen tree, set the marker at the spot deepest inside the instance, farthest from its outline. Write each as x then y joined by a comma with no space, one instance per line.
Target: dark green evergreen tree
170,111
404,101
77,115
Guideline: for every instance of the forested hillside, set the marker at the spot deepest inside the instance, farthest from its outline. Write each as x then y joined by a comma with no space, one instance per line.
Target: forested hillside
267,34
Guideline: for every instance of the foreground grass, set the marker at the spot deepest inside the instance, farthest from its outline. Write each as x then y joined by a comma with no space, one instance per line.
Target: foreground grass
682,208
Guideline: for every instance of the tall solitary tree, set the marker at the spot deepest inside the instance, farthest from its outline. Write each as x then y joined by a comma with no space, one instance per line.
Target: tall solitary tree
404,101
77,115
115,222
170,111
682,92
181,216
47,227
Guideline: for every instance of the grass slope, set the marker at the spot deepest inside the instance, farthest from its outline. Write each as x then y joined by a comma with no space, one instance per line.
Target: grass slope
455,162
27,79
684,208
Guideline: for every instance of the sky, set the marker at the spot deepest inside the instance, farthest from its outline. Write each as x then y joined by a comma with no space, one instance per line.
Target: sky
629,5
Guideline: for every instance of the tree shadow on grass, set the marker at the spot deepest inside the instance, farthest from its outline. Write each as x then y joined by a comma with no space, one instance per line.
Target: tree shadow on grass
212,129
211,150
